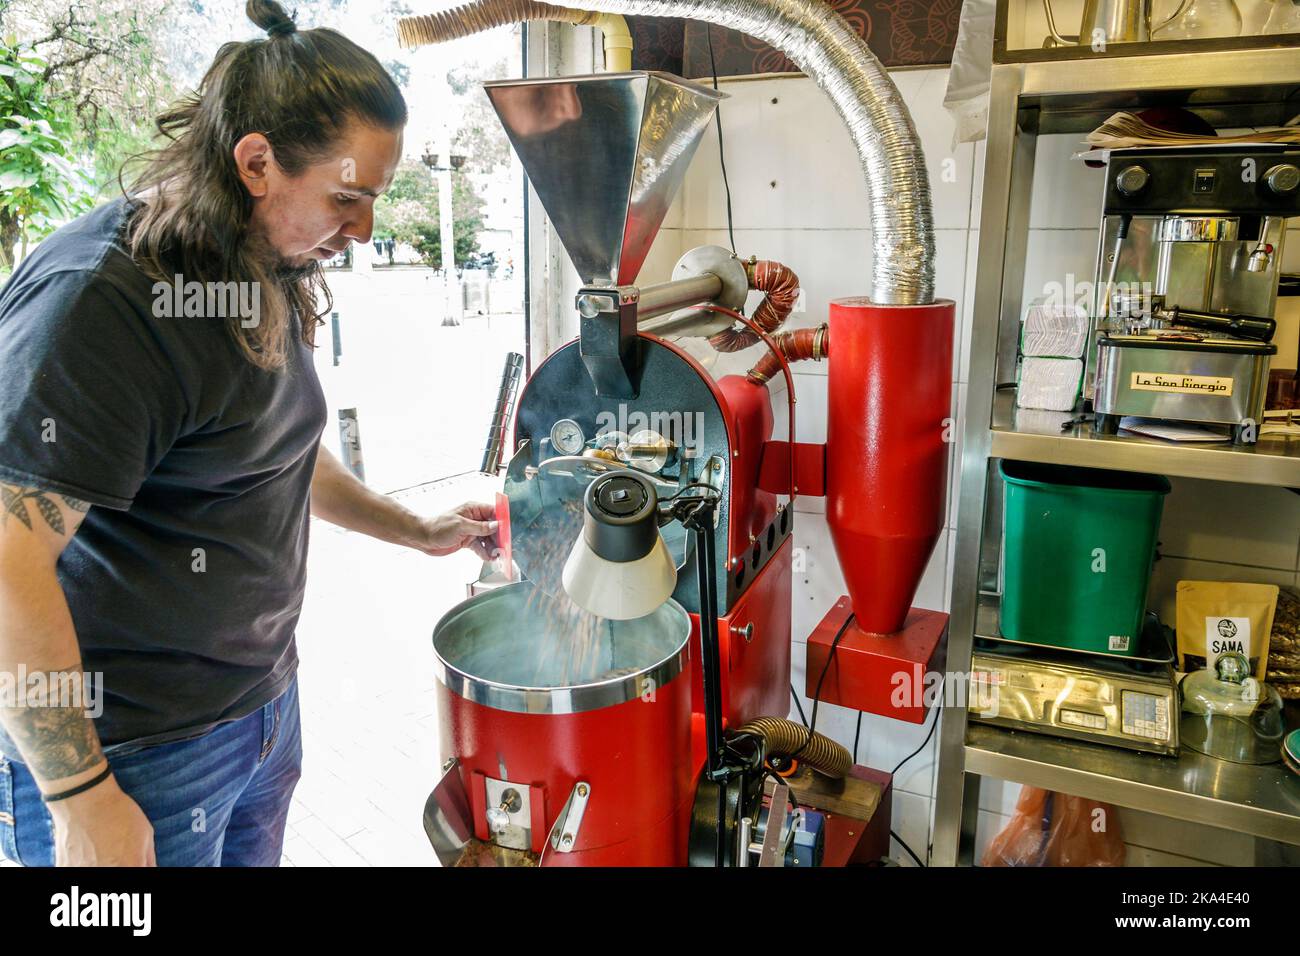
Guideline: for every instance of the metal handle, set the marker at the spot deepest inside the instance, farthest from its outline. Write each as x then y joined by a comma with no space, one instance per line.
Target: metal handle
505,406
1051,27
581,467
1172,17
1252,327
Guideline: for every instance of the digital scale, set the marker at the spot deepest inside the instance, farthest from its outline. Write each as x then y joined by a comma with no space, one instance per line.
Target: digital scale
1129,702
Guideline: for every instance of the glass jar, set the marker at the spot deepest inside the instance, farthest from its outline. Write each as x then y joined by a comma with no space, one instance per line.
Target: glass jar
1205,18
1230,715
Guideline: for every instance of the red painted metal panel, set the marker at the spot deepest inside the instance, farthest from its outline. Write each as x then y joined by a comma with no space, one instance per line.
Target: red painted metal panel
887,674
809,468
757,680
748,408
756,673
634,755
850,840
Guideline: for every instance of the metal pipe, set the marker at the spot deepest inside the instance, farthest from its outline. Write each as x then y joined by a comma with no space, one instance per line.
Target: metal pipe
618,42
664,297
826,47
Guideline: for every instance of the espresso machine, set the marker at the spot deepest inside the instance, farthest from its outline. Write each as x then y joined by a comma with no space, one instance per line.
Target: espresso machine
1186,284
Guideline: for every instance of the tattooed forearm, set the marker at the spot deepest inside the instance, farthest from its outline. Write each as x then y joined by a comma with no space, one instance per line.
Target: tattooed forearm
55,742
16,498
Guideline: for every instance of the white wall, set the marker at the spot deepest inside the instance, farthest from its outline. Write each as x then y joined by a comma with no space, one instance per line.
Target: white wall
799,197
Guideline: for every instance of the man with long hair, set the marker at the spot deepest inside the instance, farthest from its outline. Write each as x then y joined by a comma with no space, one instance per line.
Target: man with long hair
160,457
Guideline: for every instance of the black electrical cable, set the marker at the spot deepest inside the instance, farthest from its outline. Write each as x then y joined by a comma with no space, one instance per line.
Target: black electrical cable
812,727
857,734
722,156
907,848
803,718
899,766
694,484
934,723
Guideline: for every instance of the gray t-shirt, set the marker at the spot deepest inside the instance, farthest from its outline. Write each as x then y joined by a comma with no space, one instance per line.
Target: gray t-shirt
186,578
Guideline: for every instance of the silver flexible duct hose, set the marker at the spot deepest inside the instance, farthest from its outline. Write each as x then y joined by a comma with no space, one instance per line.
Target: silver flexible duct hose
825,47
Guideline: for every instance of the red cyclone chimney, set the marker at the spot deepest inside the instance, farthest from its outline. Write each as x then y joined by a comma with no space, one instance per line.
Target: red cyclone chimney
887,440
888,432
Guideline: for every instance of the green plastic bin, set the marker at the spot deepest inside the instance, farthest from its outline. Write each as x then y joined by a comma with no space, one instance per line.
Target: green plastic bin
1076,559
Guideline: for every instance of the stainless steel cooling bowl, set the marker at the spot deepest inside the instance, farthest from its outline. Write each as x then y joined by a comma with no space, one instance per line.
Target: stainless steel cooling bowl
518,649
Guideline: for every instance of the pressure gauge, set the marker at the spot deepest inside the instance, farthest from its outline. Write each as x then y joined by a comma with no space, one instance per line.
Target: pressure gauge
567,437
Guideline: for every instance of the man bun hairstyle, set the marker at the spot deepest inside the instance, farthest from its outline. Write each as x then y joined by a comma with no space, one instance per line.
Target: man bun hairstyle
301,89
270,16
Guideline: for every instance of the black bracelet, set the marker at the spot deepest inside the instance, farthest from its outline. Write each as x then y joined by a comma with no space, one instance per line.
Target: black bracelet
80,788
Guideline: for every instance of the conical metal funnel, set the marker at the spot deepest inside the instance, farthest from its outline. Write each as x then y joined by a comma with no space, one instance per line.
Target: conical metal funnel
606,154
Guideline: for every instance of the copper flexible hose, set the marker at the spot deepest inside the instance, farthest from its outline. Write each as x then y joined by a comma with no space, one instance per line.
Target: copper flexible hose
796,345
785,737
782,288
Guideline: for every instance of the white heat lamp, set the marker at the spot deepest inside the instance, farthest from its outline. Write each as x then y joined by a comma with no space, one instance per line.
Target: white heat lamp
619,567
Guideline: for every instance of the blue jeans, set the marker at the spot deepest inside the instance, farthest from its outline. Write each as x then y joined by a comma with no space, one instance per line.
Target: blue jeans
221,799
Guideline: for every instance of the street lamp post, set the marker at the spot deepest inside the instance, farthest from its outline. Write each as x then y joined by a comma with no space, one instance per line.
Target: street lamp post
446,227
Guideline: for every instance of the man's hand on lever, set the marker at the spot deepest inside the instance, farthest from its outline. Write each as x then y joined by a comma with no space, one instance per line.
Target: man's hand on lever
472,526
337,496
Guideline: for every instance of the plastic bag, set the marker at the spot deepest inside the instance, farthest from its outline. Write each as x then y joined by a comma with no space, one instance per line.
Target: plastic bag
967,98
1056,829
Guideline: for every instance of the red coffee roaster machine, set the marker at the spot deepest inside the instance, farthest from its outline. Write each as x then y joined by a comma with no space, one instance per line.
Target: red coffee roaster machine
622,702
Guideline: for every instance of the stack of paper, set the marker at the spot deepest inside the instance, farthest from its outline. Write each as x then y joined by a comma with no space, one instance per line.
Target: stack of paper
1173,431
1049,383
1054,331
1052,341
1125,130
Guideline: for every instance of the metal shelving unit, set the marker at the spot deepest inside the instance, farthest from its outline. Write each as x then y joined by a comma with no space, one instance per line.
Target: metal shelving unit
1273,460
1248,81
1262,801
